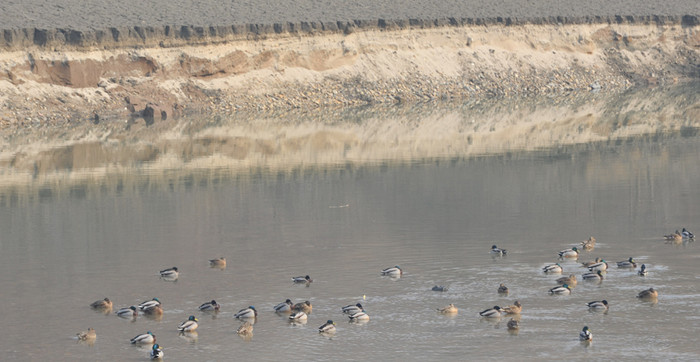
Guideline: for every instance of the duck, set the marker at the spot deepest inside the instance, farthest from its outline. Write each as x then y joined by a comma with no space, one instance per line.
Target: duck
395,271
298,316
516,308
304,279
502,289
439,288
88,335
305,307
495,250
571,280
104,304
145,338
643,270
494,312
650,293
513,324
284,307
569,253
687,234
149,303
359,316
352,309
218,262
588,244
597,275
190,325
553,269
561,290
585,335
249,312
245,329
601,266
328,327
598,304
212,306
629,263
448,309
155,310
129,312
156,352
170,273
589,263
677,236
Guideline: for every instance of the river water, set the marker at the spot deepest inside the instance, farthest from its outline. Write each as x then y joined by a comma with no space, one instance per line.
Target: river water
72,235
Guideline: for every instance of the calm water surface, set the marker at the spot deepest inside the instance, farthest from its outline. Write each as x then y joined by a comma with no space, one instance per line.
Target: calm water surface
342,224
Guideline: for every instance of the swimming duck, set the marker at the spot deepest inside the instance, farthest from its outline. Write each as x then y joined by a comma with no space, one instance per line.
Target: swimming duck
552,269
643,270
103,304
284,307
170,273
570,280
586,335
129,312
245,329
687,234
588,244
602,266
513,324
155,310
298,316
598,304
156,352
569,253
393,272
629,263
495,250
449,309
328,327
189,325
305,307
249,312
677,236
516,308
212,306
218,262
305,279
439,288
149,303
648,294
359,316
352,309
494,312
589,263
597,275
145,338
502,289
561,290
88,335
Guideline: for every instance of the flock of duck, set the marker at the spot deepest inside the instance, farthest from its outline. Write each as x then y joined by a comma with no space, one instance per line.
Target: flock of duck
298,312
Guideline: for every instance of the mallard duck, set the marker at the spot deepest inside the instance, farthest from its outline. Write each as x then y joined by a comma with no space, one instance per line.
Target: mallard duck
588,244
552,269
586,335
602,266
212,306
513,324
103,304
561,290
249,312
352,309
589,263
449,309
145,338
149,303
305,279
593,276
359,316
305,307
643,270
494,312
189,325
88,335
677,236
629,263
284,307
439,288
170,273
598,304
495,250
569,253
516,308
502,289
328,327
155,310
687,234
129,312
218,262
571,280
650,293
298,316
245,329
156,352
393,272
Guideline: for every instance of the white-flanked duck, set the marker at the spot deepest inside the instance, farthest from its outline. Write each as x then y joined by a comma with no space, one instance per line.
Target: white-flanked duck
687,234
284,307
448,309
629,263
328,327
496,251
352,309
298,316
602,266
552,269
145,338
156,352
598,305
249,312
569,253
212,306
301,280
394,271
560,290
359,316
170,273
585,335
189,325
149,303
643,270
129,312
494,312
593,276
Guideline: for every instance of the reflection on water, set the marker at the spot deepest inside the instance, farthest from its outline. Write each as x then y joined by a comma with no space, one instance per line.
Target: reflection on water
72,235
